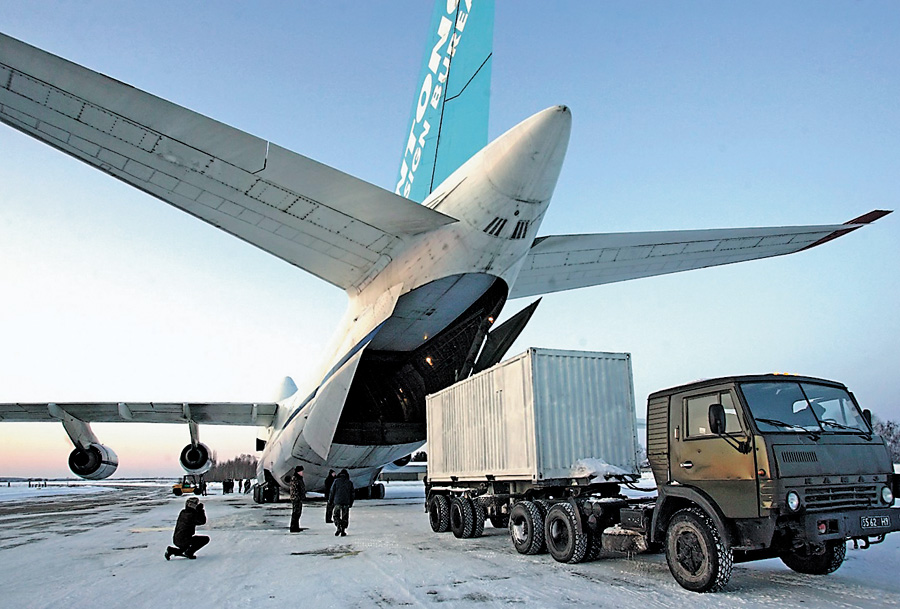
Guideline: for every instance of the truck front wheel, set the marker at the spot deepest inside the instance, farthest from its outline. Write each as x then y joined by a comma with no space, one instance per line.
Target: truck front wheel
439,513
699,559
526,528
564,542
817,564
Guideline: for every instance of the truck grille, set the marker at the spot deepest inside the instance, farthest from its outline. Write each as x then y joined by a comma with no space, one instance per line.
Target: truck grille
821,498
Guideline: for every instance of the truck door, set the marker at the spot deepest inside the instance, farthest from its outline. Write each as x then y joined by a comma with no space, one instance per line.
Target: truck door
707,462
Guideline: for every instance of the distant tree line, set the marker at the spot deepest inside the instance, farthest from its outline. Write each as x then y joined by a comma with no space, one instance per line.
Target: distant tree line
233,469
419,457
890,432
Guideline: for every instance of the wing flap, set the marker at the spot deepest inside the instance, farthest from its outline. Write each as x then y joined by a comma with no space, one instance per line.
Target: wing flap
331,224
567,262
259,414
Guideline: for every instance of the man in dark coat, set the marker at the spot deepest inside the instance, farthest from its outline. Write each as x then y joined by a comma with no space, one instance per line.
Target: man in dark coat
186,543
329,506
341,496
298,494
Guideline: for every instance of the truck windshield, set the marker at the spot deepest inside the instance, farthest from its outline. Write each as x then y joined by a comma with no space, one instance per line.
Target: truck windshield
803,407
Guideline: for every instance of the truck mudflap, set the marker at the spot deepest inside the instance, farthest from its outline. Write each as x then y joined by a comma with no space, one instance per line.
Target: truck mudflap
856,524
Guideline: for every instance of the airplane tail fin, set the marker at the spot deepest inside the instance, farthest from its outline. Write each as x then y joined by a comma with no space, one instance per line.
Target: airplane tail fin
450,111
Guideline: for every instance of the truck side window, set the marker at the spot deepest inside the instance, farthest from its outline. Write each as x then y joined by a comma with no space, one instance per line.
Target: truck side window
697,410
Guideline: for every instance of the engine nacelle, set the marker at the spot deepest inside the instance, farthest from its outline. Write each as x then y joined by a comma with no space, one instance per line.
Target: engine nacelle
403,461
95,463
196,459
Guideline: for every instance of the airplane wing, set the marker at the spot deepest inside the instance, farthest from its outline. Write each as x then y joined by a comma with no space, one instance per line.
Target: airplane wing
326,222
258,414
567,262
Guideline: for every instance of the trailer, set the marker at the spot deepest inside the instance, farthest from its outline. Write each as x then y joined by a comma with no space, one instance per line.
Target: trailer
746,467
514,443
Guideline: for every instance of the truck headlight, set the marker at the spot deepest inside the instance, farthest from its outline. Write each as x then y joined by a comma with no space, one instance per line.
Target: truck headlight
887,495
793,501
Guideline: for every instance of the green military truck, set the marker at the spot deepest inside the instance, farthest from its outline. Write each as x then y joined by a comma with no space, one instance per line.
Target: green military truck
746,467
764,466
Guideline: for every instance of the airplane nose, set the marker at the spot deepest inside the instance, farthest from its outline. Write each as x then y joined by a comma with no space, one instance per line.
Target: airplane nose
524,162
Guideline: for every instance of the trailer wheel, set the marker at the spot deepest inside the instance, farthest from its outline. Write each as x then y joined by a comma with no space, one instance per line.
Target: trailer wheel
479,515
439,513
818,564
699,559
564,542
526,528
462,518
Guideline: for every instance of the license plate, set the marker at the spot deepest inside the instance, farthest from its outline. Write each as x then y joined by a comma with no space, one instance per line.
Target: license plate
874,522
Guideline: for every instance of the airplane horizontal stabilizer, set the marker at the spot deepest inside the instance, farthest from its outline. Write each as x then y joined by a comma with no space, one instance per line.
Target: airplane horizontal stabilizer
567,262
260,414
326,222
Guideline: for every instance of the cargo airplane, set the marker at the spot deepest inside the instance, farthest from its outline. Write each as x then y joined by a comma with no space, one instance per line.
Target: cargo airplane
427,266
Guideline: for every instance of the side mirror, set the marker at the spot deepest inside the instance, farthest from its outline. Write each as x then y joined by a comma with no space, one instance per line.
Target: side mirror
867,415
717,419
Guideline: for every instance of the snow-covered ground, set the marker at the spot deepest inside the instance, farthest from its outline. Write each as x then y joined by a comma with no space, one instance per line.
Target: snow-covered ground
102,546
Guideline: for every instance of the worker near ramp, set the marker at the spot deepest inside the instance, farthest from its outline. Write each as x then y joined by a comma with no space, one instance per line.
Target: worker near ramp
186,542
298,494
329,506
341,496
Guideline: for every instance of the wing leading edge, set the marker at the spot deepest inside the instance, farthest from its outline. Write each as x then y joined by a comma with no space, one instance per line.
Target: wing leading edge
567,262
260,414
326,222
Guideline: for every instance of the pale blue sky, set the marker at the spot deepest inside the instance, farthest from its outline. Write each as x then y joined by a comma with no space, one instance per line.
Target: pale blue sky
686,115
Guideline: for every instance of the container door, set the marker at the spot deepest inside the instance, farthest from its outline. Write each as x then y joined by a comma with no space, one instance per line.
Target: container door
708,462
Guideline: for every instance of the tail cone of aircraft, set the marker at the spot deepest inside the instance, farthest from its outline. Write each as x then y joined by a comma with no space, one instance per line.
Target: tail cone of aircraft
524,162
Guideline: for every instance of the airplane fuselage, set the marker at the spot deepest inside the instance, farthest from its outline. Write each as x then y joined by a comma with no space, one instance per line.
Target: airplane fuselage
417,325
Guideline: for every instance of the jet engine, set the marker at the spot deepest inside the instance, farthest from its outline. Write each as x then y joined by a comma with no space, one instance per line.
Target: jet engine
403,461
195,458
95,463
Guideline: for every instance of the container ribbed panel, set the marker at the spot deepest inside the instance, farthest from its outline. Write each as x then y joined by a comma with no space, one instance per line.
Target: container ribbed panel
534,416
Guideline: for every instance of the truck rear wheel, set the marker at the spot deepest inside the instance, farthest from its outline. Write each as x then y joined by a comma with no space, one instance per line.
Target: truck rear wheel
699,559
564,542
818,564
526,528
462,518
439,513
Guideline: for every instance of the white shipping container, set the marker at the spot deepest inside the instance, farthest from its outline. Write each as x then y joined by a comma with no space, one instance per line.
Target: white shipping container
539,416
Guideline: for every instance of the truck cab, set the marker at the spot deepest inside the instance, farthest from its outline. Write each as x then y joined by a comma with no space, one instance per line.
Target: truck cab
779,465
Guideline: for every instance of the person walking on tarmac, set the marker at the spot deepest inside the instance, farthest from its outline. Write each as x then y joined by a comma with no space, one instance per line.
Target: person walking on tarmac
298,494
329,506
341,496
186,543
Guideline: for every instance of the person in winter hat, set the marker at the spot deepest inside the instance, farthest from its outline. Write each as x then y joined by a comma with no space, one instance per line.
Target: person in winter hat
341,496
298,494
186,542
